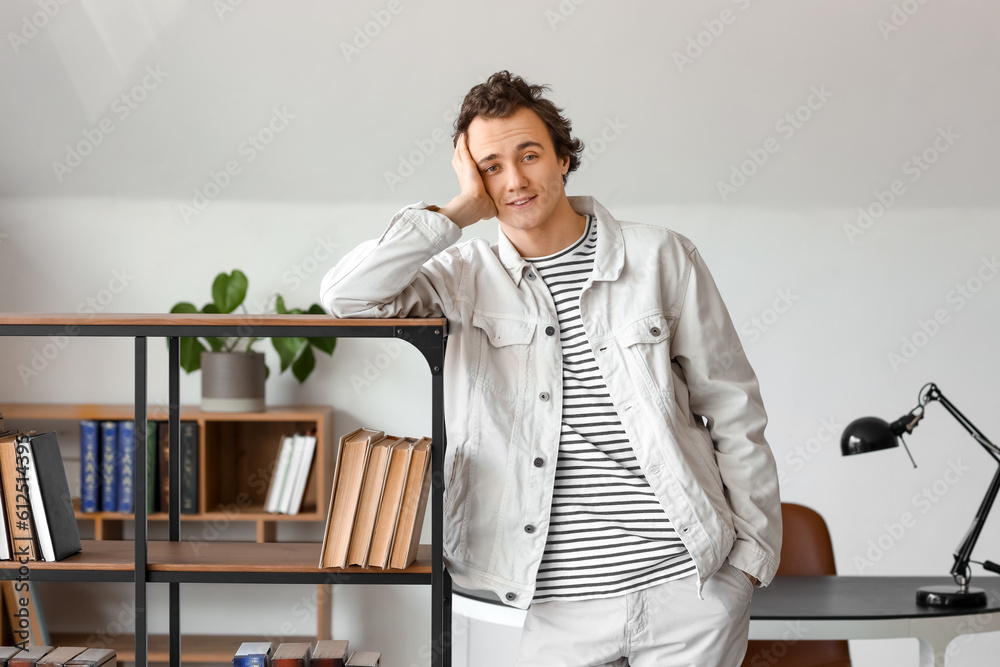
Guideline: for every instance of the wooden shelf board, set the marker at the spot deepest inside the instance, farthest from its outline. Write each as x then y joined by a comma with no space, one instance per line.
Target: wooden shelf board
194,648
179,319
117,412
118,555
251,514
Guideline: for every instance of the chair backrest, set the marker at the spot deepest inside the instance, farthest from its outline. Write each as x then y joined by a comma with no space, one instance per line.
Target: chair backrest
806,550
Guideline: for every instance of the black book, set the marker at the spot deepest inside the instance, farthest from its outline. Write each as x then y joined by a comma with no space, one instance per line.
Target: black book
189,467
55,524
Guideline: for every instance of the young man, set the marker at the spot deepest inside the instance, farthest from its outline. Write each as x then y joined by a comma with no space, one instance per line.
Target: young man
606,464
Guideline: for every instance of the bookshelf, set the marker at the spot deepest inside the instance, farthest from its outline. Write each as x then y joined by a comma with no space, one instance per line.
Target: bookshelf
265,561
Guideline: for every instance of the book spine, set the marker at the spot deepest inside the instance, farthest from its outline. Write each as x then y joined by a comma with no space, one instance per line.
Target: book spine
163,467
189,467
109,459
89,471
126,461
151,455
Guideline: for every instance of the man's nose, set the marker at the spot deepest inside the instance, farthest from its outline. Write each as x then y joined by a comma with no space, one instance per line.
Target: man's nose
516,179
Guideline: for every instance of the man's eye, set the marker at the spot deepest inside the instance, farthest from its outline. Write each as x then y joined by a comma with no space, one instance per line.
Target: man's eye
490,169
530,157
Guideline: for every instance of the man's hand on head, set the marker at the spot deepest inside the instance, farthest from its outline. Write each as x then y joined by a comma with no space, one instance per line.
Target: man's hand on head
473,203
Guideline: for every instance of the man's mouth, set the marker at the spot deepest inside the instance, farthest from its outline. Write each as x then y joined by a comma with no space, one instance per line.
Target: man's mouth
521,203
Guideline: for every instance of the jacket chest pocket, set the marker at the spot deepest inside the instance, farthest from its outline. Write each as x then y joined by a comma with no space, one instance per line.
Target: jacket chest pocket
505,346
646,345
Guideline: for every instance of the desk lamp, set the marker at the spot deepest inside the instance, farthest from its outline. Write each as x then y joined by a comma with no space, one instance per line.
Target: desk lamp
871,434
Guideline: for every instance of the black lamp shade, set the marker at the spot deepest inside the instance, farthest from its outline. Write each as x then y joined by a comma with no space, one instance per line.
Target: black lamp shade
868,434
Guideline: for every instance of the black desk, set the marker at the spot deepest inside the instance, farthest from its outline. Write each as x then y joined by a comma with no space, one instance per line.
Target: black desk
794,609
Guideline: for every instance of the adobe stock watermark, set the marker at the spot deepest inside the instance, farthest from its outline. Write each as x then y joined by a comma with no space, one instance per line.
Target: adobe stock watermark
225,7
121,108
786,126
778,648
915,167
701,41
899,17
957,298
373,368
797,459
595,147
318,258
562,12
923,502
90,306
35,23
425,147
754,328
370,30
248,149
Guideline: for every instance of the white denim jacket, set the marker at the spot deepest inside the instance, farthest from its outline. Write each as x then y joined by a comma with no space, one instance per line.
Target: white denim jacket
664,343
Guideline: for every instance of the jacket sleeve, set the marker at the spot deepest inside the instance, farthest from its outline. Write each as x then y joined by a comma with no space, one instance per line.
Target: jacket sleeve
724,390
404,273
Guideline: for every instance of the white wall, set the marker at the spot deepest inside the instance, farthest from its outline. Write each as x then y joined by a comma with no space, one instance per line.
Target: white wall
671,133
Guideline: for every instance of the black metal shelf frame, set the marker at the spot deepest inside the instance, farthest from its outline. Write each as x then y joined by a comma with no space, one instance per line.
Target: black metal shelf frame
430,342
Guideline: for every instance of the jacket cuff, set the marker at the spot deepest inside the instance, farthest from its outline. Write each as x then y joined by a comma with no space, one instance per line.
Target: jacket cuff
436,227
753,560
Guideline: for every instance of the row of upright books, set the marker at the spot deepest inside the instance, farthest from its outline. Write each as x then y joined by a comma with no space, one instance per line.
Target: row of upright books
323,653
61,656
291,472
377,505
107,466
36,518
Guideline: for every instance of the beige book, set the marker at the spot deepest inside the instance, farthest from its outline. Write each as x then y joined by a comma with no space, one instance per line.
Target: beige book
15,500
365,659
371,496
411,512
59,656
352,455
392,495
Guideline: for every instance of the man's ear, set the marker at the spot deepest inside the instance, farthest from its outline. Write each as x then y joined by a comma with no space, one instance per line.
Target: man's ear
565,164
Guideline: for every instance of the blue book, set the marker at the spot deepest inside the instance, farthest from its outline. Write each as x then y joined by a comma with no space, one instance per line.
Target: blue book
109,460
253,654
90,473
126,466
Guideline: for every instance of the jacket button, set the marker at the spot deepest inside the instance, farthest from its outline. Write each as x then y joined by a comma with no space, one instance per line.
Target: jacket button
550,331
544,396
510,597
529,528
531,276
538,462
655,331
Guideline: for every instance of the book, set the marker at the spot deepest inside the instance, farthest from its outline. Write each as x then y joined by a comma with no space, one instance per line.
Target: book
364,659
411,512
7,652
189,467
279,474
4,532
163,467
392,494
125,472
300,475
15,499
291,655
253,654
58,656
329,653
109,466
29,657
95,657
352,455
48,491
152,429
90,475
371,496
19,601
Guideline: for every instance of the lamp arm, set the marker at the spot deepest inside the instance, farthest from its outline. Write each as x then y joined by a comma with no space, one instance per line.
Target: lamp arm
960,570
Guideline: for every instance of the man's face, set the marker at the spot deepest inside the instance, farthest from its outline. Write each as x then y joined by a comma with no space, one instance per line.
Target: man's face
519,167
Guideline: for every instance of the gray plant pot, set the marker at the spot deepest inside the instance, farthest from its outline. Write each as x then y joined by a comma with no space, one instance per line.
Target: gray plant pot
232,381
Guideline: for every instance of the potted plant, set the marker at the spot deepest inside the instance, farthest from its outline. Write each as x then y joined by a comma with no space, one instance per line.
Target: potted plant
233,373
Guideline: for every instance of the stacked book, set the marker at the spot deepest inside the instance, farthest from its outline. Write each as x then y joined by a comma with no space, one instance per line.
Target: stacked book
291,472
36,520
51,656
377,505
324,653
107,466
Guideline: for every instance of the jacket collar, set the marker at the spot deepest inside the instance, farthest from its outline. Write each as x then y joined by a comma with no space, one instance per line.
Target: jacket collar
608,261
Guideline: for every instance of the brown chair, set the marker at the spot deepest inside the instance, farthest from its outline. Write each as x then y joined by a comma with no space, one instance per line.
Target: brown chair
805,550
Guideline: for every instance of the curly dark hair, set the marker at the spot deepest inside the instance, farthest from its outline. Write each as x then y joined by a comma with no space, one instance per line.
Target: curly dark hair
501,95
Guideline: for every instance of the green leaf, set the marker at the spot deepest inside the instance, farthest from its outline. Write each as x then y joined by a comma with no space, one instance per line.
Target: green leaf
279,305
210,308
191,349
184,307
324,344
215,343
316,309
304,365
228,291
287,349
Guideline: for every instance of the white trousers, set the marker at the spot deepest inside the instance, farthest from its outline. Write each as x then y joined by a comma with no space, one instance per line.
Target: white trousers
663,626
